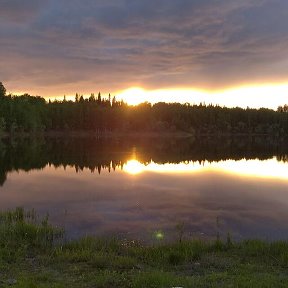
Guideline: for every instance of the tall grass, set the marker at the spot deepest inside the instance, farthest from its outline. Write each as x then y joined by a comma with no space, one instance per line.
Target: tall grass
94,262
22,232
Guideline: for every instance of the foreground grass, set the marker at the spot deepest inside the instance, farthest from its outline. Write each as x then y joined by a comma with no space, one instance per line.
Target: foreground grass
33,254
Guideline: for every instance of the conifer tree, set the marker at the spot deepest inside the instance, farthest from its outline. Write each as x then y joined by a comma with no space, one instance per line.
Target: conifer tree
2,90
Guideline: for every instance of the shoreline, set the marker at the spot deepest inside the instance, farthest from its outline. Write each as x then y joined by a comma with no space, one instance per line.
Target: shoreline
35,254
91,134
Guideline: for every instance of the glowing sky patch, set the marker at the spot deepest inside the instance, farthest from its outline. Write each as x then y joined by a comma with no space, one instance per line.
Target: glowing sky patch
269,96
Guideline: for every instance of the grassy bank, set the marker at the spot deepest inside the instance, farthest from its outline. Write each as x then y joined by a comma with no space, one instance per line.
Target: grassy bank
34,254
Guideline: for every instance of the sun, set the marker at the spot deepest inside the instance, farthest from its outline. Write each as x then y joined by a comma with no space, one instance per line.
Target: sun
133,96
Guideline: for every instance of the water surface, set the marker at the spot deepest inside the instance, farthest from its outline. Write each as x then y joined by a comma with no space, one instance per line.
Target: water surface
134,187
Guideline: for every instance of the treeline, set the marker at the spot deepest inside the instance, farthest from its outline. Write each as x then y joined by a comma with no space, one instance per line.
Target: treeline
29,114
98,154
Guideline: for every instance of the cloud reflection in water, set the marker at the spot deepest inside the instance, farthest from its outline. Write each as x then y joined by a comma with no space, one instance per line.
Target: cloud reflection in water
158,197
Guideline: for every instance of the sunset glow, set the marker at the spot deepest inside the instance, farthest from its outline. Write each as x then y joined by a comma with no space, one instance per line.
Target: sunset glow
267,96
253,96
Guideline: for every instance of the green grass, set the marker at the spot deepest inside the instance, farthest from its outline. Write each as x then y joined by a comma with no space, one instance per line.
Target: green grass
34,254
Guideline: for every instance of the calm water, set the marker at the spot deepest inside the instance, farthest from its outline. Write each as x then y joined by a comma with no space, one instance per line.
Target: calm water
134,187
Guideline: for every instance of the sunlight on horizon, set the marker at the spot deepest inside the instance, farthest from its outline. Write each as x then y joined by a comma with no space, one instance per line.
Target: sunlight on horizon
267,96
252,96
270,169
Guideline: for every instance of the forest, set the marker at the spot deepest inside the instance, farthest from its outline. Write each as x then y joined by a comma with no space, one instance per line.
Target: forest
25,114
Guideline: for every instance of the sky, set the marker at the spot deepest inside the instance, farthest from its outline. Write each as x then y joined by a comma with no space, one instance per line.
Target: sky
227,52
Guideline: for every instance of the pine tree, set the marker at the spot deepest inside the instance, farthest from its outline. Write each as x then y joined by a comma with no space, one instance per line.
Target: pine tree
99,99
2,90
92,98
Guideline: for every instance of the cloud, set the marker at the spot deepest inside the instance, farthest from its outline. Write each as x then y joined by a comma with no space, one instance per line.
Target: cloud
154,44
18,10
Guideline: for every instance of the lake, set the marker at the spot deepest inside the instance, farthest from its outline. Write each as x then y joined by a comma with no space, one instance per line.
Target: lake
136,187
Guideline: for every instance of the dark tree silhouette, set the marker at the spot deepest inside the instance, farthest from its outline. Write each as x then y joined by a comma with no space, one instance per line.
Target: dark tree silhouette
99,115
2,90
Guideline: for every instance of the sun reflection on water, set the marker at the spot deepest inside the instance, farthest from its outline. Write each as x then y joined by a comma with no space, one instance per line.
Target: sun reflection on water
134,167
250,168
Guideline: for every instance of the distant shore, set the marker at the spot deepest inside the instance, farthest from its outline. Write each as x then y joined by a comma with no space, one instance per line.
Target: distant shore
92,134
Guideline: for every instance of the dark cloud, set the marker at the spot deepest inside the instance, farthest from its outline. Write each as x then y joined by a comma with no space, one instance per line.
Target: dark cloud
121,43
19,10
